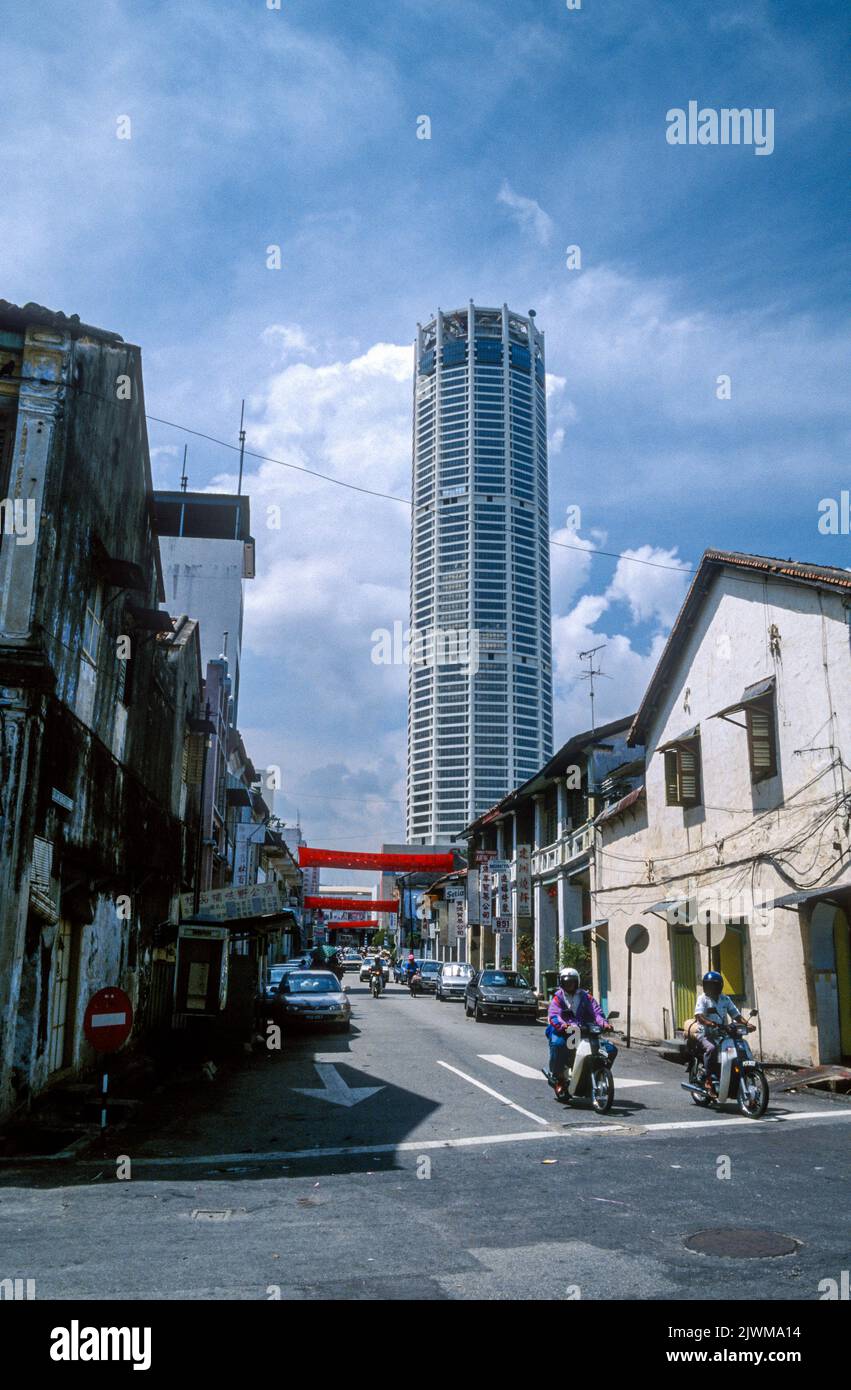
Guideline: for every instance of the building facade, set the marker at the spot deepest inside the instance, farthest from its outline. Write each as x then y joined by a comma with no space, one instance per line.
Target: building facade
744,825
480,681
97,691
207,553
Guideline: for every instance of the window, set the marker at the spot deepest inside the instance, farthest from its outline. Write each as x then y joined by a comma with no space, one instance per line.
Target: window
762,743
682,773
92,624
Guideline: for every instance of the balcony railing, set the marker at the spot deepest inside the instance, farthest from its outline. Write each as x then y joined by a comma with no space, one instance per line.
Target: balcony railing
564,851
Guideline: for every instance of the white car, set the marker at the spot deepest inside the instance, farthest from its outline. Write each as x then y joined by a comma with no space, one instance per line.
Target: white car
367,966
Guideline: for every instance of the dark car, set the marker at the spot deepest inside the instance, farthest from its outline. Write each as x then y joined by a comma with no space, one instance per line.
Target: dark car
429,971
499,994
452,979
313,997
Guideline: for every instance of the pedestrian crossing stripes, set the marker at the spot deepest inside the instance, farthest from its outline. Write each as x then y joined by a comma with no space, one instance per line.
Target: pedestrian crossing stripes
535,1073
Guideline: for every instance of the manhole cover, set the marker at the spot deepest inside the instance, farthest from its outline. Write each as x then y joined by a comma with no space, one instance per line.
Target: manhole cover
737,1244
205,1214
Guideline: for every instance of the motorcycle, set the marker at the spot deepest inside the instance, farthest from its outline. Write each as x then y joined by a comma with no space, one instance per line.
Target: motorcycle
415,984
590,1076
741,1077
376,982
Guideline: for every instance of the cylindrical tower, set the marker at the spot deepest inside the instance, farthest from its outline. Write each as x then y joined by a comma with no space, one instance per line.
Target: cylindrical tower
481,723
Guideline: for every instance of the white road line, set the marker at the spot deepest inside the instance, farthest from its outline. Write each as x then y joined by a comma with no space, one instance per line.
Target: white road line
539,1120
421,1145
508,1064
535,1073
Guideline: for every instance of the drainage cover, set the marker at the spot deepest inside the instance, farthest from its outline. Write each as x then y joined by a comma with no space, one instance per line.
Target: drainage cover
741,1244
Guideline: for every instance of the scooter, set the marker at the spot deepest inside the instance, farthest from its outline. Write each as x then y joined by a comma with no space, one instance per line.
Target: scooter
415,984
590,1076
376,983
741,1077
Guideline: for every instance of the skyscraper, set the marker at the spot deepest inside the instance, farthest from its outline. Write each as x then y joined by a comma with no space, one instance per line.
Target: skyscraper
481,723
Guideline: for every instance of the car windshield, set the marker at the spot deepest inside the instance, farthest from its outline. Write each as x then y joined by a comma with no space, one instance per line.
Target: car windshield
320,983
429,966
456,970
277,971
504,978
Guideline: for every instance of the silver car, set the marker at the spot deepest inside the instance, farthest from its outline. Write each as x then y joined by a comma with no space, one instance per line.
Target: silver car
313,997
452,979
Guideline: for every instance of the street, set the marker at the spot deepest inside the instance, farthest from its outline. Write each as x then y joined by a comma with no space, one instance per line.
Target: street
423,1156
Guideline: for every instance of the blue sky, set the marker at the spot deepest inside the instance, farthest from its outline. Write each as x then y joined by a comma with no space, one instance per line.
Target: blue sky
253,127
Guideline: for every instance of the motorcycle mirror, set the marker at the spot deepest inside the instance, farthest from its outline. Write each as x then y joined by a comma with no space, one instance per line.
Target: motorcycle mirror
754,1013
614,1014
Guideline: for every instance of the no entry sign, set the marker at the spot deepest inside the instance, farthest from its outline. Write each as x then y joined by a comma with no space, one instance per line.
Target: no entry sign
108,1020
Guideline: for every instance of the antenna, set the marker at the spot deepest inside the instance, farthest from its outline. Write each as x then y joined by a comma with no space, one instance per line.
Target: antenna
590,674
241,447
184,481
241,462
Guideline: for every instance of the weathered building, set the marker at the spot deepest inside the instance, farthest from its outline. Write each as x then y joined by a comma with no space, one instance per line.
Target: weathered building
744,824
545,831
96,685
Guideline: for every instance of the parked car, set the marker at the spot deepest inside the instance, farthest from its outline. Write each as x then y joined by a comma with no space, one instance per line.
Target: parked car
277,973
452,979
313,997
400,970
499,993
429,970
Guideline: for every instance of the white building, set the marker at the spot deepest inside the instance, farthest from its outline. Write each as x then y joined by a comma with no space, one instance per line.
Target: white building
744,819
480,698
207,552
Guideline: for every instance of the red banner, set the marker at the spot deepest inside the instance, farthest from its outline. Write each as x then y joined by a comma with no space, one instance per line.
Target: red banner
349,859
354,904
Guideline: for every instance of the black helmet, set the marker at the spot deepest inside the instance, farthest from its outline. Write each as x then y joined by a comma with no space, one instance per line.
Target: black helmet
712,978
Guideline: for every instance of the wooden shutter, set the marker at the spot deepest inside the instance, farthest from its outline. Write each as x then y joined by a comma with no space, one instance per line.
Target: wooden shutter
689,773
761,742
672,784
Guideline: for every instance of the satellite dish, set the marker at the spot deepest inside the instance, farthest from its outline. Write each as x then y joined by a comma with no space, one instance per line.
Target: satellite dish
637,938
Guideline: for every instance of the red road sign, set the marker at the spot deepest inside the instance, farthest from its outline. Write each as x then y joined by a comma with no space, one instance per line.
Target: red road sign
108,1020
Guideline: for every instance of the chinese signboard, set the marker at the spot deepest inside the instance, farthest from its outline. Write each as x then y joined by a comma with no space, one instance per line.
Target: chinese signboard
234,903
524,881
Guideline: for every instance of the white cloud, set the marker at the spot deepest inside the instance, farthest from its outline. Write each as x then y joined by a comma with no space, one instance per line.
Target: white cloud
529,213
653,594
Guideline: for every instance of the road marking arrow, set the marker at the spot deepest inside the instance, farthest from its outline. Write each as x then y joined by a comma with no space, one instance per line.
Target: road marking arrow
335,1089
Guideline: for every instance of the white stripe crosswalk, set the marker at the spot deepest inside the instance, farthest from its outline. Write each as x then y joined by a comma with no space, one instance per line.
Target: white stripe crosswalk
535,1073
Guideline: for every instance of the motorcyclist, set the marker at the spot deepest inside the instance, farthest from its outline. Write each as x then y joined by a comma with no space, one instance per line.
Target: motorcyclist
376,972
712,1010
572,1006
410,967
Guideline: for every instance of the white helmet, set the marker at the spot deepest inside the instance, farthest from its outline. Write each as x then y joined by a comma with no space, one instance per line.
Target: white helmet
569,973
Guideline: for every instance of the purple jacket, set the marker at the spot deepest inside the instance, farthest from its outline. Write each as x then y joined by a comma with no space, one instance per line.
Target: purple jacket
585,1010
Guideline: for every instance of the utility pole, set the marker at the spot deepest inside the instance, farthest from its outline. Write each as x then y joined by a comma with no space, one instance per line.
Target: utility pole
184,481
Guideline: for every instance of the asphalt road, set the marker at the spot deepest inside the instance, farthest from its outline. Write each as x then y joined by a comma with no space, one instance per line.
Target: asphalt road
423,1156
